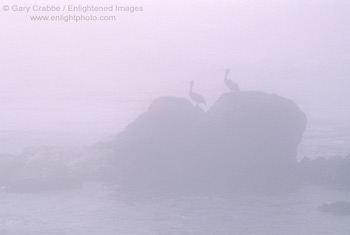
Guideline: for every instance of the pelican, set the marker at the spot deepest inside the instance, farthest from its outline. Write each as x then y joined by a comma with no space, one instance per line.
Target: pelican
196,97
229,83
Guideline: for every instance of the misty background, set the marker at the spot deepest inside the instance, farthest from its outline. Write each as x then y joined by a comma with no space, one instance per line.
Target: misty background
96,77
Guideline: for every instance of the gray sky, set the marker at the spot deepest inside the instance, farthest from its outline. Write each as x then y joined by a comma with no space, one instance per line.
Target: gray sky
98,76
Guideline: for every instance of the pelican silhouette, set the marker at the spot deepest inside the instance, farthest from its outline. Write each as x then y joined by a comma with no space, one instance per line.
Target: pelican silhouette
196,97
229,83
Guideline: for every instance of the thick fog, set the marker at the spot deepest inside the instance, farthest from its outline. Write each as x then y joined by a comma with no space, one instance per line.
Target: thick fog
174,117
98,76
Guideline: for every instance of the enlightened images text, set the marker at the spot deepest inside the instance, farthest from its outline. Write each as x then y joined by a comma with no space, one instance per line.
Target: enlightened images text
76,8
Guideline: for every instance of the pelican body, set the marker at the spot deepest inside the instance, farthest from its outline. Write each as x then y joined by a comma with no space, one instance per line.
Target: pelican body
199,99
231,84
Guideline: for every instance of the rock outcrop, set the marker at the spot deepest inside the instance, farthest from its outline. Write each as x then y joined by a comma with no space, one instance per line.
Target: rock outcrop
246,139
251,138
38,169
332,172
156,148
340,208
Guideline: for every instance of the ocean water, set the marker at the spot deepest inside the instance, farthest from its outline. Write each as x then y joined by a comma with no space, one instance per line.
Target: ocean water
106,209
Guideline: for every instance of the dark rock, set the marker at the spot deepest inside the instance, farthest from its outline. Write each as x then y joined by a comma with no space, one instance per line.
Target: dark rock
245,139
39,169
341,208
332,172
155,149
251,138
